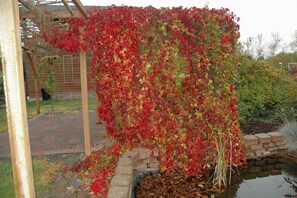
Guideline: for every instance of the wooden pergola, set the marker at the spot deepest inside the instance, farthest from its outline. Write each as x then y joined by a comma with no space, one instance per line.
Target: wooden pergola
12,63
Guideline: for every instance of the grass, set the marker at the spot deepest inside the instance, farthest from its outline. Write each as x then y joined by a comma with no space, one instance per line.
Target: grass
60,106
44,174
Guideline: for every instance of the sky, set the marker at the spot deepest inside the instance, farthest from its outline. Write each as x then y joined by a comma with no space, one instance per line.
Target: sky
256,16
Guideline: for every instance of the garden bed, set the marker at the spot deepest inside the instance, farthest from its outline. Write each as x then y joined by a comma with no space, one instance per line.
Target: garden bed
255,126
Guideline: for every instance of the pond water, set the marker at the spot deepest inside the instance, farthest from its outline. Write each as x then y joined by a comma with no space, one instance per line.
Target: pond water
266,178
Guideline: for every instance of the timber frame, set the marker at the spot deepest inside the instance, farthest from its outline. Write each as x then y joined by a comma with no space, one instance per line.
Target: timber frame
11,60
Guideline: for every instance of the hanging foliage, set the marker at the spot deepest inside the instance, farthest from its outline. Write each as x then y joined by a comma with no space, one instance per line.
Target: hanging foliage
165,80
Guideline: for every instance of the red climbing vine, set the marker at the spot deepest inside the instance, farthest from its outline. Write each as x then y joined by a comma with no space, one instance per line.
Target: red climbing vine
165,80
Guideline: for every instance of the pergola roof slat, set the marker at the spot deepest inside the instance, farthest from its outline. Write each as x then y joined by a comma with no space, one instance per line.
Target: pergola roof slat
80,7
67,7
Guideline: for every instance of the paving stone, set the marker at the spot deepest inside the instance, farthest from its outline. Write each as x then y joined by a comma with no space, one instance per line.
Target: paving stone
267,153
274,152
250,155
143,153
125,161
268,167
250,176
156,152
283,147
118,192
255,169
124,170
276,136
270,144
133,155
263,137
275,148
140,167
256,147
121,180
261,162
251,139
271,160
280,165
260,152
281,143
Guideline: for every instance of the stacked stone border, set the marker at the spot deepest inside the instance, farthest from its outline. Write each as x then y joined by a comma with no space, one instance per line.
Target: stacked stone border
265,144
142,160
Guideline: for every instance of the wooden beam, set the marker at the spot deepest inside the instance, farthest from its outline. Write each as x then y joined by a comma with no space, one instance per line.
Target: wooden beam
67,7
53,14
80,7
11,53
84,100
27,5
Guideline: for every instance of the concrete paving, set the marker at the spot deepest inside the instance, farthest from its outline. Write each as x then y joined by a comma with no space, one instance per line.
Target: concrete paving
58,134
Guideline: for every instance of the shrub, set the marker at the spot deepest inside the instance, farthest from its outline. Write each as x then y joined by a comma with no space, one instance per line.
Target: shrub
264,91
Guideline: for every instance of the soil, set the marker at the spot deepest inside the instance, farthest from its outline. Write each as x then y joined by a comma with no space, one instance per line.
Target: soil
254,126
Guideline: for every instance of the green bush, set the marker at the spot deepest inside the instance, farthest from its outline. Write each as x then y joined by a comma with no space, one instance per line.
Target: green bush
264,92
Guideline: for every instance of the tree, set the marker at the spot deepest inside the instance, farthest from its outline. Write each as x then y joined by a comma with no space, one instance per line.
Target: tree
248,47
46,64
275,44
293,44
259,46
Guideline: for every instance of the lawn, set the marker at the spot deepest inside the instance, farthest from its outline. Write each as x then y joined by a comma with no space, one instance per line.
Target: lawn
60,106
44,174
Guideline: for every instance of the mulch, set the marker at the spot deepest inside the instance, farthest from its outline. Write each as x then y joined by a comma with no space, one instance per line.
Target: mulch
251,127
176,185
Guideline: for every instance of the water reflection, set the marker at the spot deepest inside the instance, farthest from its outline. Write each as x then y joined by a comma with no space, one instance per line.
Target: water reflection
266,178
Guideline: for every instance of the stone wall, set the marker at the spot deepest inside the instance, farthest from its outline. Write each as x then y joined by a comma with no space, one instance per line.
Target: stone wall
265,144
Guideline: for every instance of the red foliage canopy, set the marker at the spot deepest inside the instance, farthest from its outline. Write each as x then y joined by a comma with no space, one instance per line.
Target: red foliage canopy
165,80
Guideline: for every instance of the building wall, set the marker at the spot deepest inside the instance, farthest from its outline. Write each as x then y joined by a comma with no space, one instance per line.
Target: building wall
67,75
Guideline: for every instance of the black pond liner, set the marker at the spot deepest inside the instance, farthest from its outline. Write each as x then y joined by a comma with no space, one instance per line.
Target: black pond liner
137,177
276,171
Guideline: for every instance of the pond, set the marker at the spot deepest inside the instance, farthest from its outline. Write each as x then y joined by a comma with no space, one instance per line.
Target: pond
265,178
272,177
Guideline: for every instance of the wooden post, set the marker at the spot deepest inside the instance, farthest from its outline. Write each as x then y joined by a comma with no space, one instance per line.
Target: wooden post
84,100
10,48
